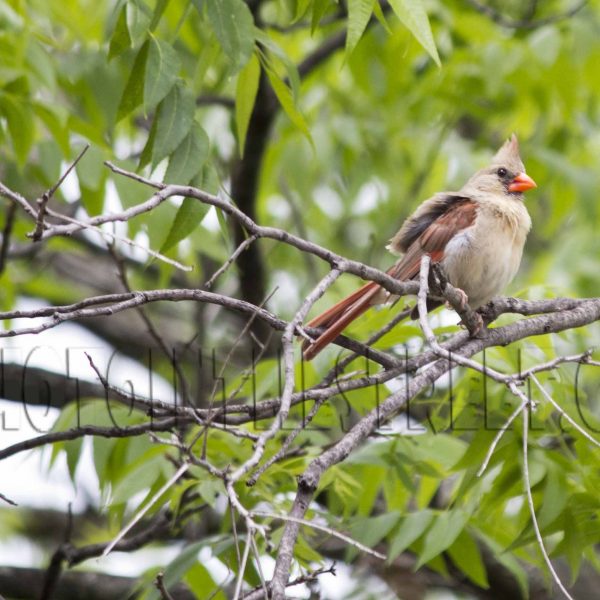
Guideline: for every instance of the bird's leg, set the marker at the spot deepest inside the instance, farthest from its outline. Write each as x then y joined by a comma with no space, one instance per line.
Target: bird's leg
463,299
476,327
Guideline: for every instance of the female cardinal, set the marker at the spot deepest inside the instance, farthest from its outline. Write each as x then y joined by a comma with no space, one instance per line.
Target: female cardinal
476,234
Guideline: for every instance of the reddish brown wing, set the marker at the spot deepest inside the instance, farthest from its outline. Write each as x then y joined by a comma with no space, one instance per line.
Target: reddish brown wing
440,230
434,239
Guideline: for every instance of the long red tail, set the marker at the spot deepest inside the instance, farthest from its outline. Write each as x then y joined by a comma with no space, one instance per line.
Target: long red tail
339,316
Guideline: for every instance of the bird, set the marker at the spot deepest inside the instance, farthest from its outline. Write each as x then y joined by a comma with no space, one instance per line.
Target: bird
476,235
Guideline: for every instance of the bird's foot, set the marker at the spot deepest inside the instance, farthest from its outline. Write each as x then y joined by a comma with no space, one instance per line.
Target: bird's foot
476,327
301,332
463,299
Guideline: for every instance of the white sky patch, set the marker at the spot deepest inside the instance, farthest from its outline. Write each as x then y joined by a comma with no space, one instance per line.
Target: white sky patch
112,202
369,196
158,173
126,147
62,350
287,293
216,125
360,232
329,201
133,564
26,477
453,167
135,252
210,220
70,186
19,551
278,207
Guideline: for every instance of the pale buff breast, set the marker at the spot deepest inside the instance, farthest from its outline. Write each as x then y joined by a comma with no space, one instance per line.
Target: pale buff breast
483,259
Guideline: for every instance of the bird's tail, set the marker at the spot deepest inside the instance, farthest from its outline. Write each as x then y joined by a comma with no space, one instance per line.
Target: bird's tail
339,316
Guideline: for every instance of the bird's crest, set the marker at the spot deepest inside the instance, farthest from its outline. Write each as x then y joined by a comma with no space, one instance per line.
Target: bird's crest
508,155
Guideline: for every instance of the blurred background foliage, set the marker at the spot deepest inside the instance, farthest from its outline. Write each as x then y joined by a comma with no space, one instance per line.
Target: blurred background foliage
416,97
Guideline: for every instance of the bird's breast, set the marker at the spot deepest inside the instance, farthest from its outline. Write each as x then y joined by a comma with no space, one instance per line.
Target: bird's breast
484,258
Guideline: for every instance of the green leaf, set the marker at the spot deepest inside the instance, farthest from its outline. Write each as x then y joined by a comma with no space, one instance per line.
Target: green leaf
130,192
284,95
148,150
140,477
277,55
133,94
233,25
189,157
318,10
9,18
50,156
373,530
465,554
412,14
380,16
188,217
359,13
245,96
91,171
177,568
411,528
120,40
20,124
162,67
159,10
301,8
201,582
445,529
556,496
73,451
138,20
54,124
174,118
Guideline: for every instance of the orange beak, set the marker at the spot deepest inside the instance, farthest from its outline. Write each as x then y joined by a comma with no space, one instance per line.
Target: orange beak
521,183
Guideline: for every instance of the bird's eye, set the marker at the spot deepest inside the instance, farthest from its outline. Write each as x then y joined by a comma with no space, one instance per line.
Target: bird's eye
501,172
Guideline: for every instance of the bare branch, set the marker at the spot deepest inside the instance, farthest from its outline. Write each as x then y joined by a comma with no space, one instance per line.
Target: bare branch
160,586
42,202
170,483
536,527
505,21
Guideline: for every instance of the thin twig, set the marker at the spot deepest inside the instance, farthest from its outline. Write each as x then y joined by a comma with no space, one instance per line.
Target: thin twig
328,530
259,593
42,202
258,566
509,23
160,586
549,398
8,500
154,333
119,238
536,527
19,200
498,436
172,481
430,336
240,579
230,260
287,341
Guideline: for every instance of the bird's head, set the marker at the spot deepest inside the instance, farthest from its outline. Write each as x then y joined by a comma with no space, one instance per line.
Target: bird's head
505,175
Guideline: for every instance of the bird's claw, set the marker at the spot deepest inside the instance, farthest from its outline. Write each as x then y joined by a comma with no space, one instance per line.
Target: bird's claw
476,328
464,299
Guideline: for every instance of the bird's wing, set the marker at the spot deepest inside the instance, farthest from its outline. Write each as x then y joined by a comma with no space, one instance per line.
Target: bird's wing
436,234
435,223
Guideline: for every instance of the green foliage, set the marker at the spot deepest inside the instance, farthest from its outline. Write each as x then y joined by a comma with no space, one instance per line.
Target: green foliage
414,101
